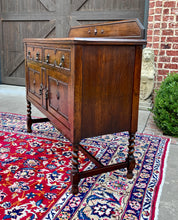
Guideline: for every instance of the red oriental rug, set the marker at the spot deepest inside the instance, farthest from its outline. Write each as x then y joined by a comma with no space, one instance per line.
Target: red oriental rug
35,175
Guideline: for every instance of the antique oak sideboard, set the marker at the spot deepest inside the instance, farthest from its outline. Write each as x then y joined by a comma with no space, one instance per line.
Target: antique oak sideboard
87,85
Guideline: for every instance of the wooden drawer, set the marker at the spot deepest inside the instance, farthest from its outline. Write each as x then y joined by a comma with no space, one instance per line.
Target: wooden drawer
34,82
58,57
50,56
63,58
34,53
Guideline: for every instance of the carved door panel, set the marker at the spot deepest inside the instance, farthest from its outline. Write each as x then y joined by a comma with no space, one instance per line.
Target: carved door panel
58,96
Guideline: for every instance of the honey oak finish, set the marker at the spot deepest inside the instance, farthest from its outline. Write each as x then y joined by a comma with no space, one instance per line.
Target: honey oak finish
88,85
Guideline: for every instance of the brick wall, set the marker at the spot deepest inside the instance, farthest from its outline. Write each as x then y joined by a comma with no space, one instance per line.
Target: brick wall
162,36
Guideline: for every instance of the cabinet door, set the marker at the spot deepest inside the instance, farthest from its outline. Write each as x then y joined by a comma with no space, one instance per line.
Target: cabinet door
58,96
34,85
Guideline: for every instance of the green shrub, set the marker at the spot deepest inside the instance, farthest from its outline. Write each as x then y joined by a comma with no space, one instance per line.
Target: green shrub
166,106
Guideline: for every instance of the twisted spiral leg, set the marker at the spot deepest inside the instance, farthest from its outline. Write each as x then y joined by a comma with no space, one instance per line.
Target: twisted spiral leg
29,119
130,158
75,170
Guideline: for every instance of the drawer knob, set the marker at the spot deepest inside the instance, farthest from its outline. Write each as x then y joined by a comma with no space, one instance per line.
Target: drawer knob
37,56
28,54
47,58
95,31
62,61
58,95
41,89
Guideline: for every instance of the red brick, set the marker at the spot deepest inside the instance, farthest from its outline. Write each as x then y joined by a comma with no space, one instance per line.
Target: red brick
149,45
157,25
150,25
176,32
158,10
168,18
167,32
163,39
149,39
164,59
166,11
174,10
149,32
159,4
156,45
164,25
160,65
156,52
172,53
175,59
160,78
166,46
162,72
170,4
172,39
150,18
161,52
152,4
157,32
171,66
157,17
156,39
151,11
175,46
173,25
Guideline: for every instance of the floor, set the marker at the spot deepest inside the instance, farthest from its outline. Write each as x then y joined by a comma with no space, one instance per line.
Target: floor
12,99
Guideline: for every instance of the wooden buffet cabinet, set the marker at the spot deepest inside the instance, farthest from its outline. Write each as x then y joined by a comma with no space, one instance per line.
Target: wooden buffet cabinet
87,85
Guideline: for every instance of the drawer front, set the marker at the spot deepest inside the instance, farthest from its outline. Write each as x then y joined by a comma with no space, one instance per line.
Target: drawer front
58,96
49,56
34,53
58,57
34,85
63,58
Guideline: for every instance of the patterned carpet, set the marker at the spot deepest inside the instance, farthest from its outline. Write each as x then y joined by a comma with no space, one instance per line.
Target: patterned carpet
35,175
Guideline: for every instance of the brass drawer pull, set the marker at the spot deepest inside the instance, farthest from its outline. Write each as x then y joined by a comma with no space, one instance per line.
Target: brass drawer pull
62,61
41,89
37,56
28,54
47,58
58,95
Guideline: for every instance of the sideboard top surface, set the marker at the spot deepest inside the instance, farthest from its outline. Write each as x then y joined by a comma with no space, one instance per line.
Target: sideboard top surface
91,41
